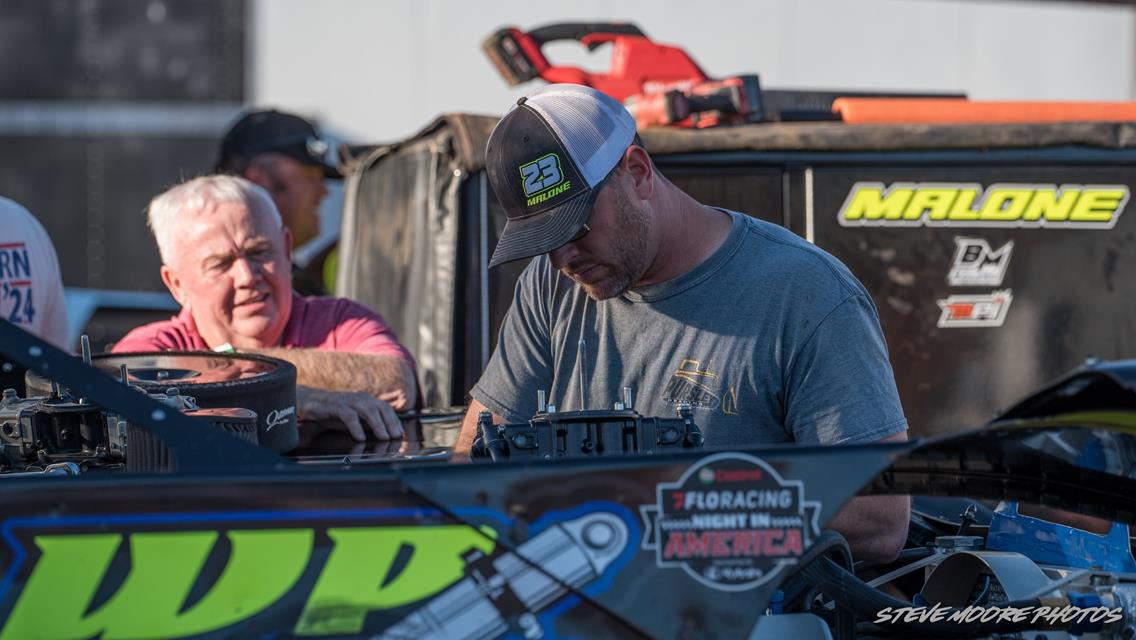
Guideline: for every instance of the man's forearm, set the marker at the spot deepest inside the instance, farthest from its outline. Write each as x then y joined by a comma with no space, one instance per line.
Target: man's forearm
467,434
469,430
385,377
875,526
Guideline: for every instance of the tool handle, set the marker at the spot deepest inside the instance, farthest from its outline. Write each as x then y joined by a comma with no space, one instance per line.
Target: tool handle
490,436
580,30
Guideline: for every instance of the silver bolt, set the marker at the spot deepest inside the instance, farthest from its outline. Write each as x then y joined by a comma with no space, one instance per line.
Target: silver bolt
541,401
627,397
599,535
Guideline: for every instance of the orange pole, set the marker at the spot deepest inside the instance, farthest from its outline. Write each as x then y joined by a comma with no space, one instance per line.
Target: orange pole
960,110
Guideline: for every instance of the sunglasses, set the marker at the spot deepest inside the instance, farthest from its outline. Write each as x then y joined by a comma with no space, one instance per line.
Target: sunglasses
585,229
580,235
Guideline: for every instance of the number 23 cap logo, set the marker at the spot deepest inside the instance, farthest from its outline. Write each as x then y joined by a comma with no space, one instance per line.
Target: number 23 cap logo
546,161
540,176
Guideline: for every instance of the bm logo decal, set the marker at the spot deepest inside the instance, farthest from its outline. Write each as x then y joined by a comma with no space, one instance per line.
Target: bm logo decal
977,265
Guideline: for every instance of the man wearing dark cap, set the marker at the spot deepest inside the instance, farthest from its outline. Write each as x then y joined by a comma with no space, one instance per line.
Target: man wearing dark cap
284,154
636,284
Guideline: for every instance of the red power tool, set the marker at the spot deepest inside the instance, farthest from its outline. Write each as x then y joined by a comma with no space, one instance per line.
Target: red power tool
659,84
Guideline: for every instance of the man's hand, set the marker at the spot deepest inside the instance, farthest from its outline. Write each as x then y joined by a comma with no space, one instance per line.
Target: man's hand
351,409
397,399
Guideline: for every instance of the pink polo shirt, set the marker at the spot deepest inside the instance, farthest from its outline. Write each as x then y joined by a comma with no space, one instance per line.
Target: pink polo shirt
328,324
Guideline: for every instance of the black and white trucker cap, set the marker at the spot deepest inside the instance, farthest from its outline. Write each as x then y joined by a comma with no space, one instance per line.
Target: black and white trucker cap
545,160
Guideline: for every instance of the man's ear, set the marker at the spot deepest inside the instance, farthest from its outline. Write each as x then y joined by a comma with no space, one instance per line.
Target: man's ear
642,171
288,244
173,283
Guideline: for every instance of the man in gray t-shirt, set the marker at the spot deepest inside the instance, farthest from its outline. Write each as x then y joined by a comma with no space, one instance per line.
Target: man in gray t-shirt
767,337
769,340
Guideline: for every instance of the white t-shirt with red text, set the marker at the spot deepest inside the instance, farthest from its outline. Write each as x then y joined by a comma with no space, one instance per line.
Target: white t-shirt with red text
31,287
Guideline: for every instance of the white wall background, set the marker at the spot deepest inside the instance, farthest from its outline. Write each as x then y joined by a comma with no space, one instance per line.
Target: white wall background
378,70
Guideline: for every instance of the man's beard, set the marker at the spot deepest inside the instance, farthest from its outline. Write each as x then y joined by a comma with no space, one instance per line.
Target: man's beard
629,246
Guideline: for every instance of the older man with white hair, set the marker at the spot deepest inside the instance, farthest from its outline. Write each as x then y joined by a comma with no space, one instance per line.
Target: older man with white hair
226,257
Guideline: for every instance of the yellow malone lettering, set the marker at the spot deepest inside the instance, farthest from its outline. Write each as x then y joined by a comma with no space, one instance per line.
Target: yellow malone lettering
873,204
549,194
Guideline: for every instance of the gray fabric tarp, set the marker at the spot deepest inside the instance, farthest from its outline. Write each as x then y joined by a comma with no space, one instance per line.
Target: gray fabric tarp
398,243
469,132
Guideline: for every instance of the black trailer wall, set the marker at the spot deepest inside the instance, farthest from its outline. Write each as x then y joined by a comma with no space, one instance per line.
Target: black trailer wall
1068,296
